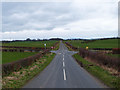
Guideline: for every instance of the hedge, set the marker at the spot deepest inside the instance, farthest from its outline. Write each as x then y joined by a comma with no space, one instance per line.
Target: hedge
18,50
98,57
17,65
32,48
116,50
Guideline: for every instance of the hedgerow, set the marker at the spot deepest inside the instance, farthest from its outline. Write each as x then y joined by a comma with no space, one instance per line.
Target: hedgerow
98,57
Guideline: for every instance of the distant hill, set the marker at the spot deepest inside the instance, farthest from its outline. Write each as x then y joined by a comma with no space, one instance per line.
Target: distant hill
56,39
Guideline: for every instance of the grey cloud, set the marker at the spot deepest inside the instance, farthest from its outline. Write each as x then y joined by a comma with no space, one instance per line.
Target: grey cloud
49,15
16,16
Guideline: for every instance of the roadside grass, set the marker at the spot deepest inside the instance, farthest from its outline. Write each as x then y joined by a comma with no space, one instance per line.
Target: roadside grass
108,79
110,43
19,78
30,43
70,49
114,55
0,58
8,57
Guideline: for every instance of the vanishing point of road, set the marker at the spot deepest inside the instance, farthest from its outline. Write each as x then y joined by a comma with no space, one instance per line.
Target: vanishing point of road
64,72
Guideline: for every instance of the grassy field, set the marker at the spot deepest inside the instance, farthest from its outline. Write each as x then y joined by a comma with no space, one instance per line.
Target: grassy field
30,43
110,43
13,56
97,71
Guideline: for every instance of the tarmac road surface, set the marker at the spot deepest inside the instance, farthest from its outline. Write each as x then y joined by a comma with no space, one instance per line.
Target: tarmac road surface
64,72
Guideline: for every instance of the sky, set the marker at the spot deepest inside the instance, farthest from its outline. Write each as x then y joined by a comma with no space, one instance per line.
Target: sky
72,19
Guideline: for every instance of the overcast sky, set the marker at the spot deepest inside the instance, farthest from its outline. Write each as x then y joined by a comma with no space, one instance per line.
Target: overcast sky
44,20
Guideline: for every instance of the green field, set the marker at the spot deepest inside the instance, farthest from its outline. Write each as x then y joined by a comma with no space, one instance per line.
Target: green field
14,56
30,43
110,43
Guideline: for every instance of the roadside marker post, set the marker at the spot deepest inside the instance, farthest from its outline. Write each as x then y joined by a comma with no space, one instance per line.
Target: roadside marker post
78,48
45,45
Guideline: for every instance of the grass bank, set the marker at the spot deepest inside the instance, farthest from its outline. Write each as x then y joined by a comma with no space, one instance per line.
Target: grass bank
108,79
19,78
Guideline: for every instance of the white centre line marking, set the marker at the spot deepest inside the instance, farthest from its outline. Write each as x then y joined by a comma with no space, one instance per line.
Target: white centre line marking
63,64
64,74
63,59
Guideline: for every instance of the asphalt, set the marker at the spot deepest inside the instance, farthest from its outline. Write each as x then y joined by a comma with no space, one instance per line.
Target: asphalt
64,72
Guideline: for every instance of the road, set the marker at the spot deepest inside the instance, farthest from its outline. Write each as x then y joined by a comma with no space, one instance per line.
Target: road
64,72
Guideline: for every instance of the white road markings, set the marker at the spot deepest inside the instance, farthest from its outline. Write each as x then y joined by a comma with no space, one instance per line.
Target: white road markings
64,74
63,64
64,69
63,56
59,53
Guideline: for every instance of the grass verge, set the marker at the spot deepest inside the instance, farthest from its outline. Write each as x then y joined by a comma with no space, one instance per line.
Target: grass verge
57,46
19,78
70,49
108,79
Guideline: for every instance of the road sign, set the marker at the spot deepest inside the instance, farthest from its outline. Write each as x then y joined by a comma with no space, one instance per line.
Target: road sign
45,44
86,48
